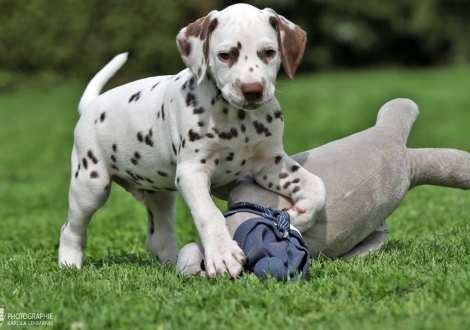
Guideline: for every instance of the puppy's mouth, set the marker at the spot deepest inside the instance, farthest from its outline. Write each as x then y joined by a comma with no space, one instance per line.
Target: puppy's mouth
244,104
248,106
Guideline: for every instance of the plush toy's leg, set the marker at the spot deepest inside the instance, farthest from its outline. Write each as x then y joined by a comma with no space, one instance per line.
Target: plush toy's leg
396,118
440,167
190,258
373,242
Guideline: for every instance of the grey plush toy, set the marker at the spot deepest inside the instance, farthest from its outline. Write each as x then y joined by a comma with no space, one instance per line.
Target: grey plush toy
366,176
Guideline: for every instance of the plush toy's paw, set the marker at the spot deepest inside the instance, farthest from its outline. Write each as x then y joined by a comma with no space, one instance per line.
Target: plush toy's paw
190,260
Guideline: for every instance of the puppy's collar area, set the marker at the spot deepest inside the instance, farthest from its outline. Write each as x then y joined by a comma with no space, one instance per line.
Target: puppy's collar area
281,218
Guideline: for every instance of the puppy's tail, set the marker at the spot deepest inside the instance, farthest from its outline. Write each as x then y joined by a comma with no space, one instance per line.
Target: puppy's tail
99,80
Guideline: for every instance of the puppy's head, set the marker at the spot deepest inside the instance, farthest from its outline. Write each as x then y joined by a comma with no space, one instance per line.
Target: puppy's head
242,48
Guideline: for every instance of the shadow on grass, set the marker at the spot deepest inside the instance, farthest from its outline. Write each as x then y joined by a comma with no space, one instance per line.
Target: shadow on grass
123,258
394,245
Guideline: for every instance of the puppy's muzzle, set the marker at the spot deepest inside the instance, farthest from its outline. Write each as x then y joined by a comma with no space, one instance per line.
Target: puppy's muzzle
252,92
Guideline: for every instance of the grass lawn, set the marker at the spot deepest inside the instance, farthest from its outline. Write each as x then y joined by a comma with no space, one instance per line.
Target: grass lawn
421,280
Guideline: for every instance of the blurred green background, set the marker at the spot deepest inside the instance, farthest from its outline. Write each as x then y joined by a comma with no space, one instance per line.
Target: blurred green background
76,37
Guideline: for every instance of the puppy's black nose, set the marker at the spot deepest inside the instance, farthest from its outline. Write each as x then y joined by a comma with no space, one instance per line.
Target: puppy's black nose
252,91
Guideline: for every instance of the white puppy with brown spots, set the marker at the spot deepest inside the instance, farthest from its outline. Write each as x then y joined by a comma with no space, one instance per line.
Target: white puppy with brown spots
195,132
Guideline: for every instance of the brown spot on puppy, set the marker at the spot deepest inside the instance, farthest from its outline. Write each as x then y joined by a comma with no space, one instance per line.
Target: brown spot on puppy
295,168
135,97
92,157
191,100
283,175
234,132
192,82
154,86
260,128
193,136
278,115
148,138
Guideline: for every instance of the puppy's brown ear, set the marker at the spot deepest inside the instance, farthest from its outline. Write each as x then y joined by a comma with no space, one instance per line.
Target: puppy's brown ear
291,39
193,44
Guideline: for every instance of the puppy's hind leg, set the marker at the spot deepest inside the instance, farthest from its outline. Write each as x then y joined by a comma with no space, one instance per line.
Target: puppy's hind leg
161,237
89,189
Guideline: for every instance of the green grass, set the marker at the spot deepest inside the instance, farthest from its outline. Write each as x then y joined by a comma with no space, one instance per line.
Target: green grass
421,280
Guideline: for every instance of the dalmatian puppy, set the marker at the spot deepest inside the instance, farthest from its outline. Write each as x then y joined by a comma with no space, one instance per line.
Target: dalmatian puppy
195,132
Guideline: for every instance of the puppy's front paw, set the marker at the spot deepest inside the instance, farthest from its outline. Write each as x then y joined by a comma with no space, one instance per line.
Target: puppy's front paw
224,257
301,217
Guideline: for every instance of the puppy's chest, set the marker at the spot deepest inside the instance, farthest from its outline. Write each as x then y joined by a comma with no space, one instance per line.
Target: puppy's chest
230,145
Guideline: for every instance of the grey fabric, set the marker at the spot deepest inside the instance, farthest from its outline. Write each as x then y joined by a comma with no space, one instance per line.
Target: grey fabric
268,253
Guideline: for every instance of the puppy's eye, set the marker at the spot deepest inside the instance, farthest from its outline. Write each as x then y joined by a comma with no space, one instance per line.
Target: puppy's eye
269,52
224,56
